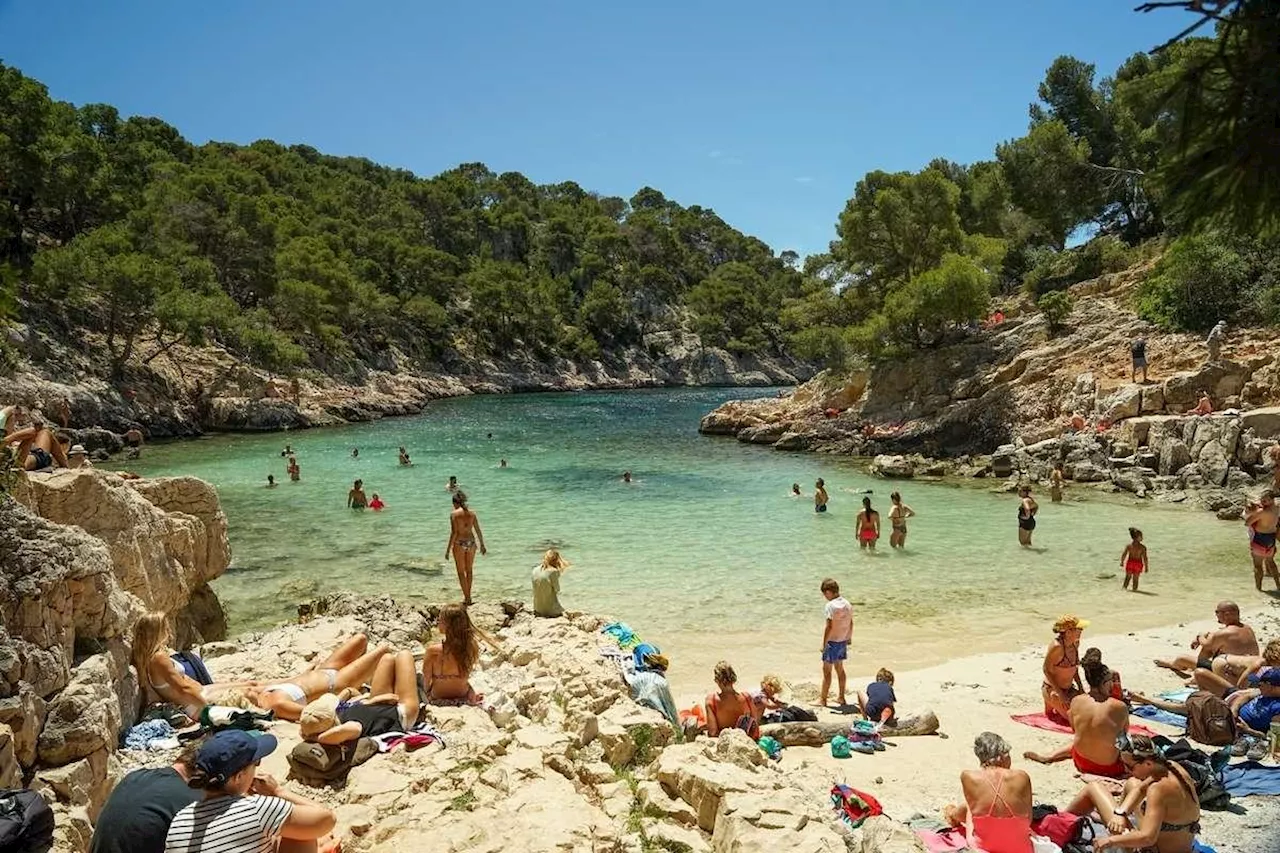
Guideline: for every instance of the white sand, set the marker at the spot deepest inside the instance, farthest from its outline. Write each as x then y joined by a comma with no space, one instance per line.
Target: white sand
978,693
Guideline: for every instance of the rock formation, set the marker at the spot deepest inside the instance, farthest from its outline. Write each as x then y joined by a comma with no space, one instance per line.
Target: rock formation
82,554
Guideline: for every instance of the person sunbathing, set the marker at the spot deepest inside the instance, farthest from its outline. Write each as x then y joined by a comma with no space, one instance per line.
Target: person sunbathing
36,448
447,665
1229,673
1158,811
729,709
1254,708
997,800
1233,638
391,706
160,676
349,666
1097,718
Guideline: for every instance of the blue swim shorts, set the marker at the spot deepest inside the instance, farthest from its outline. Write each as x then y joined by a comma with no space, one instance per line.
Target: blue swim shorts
835,651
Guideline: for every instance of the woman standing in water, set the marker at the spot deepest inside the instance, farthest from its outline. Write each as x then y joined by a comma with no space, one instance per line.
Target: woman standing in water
1055,483
898,516
1027,509
464,533
868,526
820,496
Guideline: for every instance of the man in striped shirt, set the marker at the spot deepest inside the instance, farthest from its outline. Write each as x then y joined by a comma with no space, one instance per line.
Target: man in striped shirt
243,811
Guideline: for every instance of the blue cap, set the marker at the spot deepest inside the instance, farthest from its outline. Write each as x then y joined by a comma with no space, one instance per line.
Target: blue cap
230,751
1270,675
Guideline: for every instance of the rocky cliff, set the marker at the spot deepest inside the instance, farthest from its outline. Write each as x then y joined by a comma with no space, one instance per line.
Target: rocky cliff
82,554
998,402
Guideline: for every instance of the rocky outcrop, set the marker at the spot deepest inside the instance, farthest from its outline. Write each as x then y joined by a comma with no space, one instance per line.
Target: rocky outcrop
82,554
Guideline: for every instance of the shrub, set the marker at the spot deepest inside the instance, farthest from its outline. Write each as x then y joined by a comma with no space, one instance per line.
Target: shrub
1200,280
1056,307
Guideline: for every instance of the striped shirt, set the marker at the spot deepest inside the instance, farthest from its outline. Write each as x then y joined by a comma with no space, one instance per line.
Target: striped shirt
228,825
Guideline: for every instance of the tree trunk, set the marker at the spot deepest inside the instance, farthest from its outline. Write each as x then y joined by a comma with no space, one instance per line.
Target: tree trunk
819,733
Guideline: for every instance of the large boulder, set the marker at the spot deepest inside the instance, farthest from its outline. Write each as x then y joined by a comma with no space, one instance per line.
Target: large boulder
893,467
1221,379
1123,403
242,414
85,716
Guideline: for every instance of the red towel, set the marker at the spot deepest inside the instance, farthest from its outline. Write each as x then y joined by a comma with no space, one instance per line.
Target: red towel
1040,721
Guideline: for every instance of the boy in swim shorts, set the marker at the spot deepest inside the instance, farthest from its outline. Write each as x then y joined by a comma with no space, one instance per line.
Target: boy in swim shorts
835,639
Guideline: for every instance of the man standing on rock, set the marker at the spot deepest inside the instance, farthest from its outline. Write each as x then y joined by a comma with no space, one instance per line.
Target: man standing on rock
1262,519
1138,351
1217,337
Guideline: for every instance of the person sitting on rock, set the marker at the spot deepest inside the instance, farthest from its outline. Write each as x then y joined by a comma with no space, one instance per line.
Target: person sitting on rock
997,800
729,709
546,584
447,665
136,817
1233,638
1204,407
1097,718
36,447
349,667
160,676
391,706
78,457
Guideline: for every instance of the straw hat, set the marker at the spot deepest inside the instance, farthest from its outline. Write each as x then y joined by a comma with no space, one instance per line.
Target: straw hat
319,716
1070,623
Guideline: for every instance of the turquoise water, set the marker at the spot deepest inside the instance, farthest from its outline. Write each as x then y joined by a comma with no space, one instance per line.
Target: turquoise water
705,553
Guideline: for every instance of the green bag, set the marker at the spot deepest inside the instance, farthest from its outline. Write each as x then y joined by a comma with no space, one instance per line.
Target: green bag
771,747
840,747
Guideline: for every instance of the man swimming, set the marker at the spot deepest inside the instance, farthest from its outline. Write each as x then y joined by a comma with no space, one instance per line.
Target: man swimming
453,484
404,457
626,476
1233,638
1263,520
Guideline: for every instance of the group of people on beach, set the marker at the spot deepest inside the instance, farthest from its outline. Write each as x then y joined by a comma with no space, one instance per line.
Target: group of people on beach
215,789
32,445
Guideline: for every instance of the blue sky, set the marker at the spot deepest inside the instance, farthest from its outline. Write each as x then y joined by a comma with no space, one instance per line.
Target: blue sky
766,112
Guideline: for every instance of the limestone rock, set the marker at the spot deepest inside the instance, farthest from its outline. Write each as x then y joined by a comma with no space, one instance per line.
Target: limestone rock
1123,403
780,822
893,467
23,714
762,434
1152,399
10,770
85,716
686,771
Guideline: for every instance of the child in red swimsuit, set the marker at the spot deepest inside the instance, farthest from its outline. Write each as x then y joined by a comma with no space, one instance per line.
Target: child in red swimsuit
1134,559
376,504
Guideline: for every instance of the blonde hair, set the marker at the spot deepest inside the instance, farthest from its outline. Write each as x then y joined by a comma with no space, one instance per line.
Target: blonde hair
234,697
724,674
148,638
553,560
1271,654
771,684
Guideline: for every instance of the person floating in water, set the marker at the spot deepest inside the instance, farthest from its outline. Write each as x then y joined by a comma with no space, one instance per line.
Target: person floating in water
355,453
376,504
356,498
1263,521
271,481
868,526
820,497
288,450
502,463
1027,509
464,534
898,515
404,457
1134,559
453,484
295,471
795,490
626,476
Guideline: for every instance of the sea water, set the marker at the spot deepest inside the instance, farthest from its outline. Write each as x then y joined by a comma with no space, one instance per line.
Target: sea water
704,553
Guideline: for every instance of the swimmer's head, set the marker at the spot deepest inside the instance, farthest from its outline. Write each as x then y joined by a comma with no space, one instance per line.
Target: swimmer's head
271,479
884,675
866,504
375,497
1135,534
895,497
795,487
821,483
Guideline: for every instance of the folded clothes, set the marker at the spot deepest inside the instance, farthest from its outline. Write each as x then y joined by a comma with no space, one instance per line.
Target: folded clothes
152,734
622,632
1159,715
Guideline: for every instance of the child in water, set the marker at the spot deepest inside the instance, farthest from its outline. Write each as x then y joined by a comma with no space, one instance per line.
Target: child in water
878,700
376,504
1134,559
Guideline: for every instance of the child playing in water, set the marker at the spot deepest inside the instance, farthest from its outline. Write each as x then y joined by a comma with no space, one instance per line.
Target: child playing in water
878,700
376,503
1134,559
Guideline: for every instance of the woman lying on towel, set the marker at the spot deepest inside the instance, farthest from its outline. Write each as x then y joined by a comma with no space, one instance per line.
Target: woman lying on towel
392,706
349,667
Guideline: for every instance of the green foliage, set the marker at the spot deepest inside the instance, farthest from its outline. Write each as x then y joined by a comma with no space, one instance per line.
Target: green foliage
726,311
1050,270
1048,177
956,292
1056,307
1200,280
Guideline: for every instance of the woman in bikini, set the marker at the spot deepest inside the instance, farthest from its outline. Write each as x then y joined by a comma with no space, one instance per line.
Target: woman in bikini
868,526
447,665
349,667
464,532
729,709
1027,509
1158,811
1134,559
1062,669
997,800
391,706
898,515
162,679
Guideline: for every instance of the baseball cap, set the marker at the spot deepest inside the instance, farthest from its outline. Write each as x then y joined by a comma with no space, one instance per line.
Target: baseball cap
228,752
1270,676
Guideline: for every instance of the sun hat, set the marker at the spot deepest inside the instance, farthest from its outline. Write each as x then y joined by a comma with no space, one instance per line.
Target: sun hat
1070,623
77,450
319,716
230,751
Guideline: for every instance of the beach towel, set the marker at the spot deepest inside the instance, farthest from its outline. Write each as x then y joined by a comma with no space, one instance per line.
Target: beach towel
1250,778
622,632
1159,715
1199,846
944,841
1040,721
1179,695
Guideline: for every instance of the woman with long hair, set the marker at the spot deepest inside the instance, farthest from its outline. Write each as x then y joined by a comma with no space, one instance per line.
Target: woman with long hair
160,676
546,584
447,665
868,526
464,535
898,515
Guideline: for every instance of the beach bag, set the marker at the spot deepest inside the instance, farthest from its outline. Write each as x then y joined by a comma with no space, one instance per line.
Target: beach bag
1064,829
26,822
317,765
771,747
1209,720
1201,768
193,665
840,747
796,714
854,806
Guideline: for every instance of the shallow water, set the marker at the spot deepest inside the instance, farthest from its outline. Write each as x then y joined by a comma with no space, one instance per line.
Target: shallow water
705,554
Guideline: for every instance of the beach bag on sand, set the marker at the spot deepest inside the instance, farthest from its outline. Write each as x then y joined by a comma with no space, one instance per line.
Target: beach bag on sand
26,822
318,765
1209,720
1068,831
1201,768
854,806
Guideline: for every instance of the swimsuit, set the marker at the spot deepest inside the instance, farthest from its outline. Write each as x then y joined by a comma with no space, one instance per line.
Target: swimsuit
293,691
868,534
1008,834
1133,566
44,460
745,722
819,507
835,651
466,543
1114,770
1262,544
1026,522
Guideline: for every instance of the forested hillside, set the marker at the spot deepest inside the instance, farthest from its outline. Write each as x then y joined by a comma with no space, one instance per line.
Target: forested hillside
288,257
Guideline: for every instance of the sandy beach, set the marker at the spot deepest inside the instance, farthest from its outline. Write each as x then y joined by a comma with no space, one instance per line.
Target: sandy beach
979,693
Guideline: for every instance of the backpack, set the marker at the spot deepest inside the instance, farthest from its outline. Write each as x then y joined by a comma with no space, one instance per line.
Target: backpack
1202,768
26,822
1064,829
317,765
854,806
1209,719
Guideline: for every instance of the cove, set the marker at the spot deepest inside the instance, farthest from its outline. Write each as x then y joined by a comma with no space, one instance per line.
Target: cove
705,554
